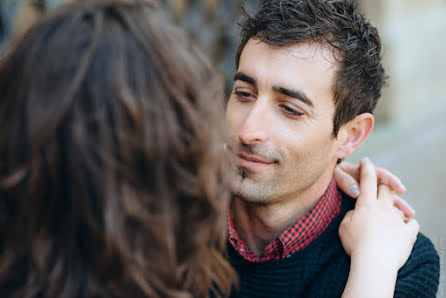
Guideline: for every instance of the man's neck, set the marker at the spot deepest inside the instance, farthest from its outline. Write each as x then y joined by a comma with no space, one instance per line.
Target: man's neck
259,224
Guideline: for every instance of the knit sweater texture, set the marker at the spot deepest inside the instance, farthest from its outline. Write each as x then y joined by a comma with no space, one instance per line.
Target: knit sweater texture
321,269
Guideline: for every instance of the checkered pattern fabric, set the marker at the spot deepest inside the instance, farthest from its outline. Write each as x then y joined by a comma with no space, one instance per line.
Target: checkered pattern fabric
297,236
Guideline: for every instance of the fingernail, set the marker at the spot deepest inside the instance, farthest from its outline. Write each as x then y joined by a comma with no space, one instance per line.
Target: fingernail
365,160
403,187
355,190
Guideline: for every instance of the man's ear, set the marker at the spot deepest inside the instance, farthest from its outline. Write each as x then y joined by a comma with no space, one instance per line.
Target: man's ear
353,134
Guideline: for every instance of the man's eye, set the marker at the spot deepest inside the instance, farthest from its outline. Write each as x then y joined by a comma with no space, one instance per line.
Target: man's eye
243,95
290,111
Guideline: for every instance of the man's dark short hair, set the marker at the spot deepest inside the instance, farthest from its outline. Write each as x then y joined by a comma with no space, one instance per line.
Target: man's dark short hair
355,44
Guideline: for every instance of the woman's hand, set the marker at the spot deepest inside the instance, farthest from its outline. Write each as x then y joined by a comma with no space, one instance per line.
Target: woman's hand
377,237
375,226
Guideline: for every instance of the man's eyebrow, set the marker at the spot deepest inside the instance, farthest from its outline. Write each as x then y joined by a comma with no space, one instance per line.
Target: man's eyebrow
245,78
300,95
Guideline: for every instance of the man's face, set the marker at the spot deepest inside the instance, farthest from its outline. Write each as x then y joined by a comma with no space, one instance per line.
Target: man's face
280,121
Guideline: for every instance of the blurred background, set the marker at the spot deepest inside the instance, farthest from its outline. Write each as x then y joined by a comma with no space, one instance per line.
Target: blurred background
410,135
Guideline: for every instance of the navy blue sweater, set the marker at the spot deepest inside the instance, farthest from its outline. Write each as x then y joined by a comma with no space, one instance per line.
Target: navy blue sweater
321,269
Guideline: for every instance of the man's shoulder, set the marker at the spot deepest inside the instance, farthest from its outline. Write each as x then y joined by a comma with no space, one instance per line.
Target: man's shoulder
425,244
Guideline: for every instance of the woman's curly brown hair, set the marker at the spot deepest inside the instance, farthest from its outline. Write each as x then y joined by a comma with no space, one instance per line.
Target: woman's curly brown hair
355,44
112,166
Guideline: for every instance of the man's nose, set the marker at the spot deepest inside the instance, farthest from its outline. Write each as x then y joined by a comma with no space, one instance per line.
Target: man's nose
254,128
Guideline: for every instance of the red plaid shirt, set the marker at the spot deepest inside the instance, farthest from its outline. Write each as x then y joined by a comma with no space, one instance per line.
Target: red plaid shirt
297,236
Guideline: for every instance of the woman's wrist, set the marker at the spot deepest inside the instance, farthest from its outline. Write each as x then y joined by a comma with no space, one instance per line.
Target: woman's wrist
369,259
371,277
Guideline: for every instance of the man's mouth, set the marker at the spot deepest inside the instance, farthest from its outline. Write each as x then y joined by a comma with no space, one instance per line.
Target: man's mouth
249,160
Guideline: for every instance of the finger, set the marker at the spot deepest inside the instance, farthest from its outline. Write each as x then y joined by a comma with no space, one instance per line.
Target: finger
389,179
368,183
346,182
385,195
402,205
351,169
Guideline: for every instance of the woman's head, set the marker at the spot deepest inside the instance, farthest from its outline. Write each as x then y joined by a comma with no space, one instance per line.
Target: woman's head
111,158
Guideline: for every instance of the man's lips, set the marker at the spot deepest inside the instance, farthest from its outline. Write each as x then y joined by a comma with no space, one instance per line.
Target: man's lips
245,158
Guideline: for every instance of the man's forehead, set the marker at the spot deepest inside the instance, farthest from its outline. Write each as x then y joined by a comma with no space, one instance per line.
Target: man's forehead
307,66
